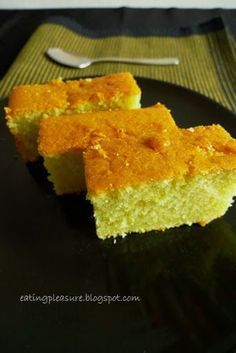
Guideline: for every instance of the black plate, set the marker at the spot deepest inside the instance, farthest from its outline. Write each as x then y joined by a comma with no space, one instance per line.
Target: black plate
185,277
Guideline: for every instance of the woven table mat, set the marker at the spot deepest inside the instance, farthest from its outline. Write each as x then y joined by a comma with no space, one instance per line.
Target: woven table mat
206,53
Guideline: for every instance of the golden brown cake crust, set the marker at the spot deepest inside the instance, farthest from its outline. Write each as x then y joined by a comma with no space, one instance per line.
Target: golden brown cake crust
192,152
30,99
110,88
71,132
128,148
57,94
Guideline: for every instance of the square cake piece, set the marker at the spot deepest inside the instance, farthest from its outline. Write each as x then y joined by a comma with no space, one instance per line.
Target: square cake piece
161,181
63,141
28,103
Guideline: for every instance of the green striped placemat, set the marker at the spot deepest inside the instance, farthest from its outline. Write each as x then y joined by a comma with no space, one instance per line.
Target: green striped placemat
207,59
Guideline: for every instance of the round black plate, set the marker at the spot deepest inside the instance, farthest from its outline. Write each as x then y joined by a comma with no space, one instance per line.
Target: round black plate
185,278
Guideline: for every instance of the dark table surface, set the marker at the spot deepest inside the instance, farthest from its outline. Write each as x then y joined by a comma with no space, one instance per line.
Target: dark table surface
16,26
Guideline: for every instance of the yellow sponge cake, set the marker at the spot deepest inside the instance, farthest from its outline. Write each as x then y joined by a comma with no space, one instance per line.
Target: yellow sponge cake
142,172
160,182
63,141
28,103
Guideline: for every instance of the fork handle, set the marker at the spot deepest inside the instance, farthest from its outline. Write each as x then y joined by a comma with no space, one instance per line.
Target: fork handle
145,61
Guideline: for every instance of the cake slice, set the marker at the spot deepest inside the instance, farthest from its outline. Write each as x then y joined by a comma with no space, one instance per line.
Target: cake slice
142,172
160,181
28,103
63,141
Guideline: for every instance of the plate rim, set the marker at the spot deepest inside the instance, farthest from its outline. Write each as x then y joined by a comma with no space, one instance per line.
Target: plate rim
189,90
